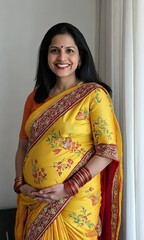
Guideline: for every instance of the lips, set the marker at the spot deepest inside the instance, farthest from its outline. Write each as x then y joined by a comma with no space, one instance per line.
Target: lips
62,65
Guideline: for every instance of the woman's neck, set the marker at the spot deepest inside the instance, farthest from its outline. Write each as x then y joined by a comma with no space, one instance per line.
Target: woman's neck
62,85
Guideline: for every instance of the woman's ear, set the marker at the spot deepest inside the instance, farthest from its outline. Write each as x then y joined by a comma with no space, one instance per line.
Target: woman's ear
79,64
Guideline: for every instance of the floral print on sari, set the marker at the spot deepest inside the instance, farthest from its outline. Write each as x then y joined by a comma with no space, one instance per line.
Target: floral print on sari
64,134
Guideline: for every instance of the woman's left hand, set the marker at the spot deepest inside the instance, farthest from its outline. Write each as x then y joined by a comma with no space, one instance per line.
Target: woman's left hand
53,193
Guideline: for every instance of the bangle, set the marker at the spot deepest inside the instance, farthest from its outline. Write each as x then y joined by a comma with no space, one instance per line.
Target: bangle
19,181
79,179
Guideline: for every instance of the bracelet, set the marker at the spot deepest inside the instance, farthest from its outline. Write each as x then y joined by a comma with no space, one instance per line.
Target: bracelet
79,179
19,181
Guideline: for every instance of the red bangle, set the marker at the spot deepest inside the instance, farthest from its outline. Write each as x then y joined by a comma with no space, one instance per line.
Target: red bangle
79,179
18,183
68,188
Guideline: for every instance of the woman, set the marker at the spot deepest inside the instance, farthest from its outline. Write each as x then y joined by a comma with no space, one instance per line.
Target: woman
68,162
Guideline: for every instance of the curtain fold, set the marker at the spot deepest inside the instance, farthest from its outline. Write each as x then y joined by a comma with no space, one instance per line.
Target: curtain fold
121,62
139,114
128,230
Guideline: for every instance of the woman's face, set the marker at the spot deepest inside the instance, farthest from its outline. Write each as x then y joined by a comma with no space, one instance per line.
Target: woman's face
63,56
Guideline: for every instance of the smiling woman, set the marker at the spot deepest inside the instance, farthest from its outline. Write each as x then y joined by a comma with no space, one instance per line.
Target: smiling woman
64,58
68,162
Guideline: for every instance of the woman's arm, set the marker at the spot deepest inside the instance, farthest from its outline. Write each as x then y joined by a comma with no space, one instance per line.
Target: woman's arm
20,156
95,165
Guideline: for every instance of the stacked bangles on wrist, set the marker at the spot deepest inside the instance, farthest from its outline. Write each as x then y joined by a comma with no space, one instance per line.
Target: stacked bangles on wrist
19,181
79,179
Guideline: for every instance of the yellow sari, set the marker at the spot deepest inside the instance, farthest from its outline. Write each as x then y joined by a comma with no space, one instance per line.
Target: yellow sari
64,133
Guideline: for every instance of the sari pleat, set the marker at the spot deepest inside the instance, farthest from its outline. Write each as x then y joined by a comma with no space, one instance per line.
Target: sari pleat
57,230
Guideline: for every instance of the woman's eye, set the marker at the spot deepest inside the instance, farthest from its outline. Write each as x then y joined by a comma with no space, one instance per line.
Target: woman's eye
54,50
69,50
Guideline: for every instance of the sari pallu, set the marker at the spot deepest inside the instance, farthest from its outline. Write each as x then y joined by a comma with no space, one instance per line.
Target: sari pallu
64,134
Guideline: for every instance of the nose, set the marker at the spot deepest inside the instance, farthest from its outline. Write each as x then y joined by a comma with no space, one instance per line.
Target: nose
62,55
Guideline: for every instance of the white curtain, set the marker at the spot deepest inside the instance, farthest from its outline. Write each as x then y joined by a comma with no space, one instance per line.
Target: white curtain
120,62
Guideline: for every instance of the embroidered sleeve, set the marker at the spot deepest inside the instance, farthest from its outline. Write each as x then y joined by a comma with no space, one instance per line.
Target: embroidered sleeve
103,124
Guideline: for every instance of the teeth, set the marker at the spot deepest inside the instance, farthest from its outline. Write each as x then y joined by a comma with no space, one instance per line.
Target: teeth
62,65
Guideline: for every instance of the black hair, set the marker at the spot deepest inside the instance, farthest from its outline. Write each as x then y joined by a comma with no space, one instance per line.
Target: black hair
46,79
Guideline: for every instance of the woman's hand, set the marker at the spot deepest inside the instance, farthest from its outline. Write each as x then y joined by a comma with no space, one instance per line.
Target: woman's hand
53,193
28,190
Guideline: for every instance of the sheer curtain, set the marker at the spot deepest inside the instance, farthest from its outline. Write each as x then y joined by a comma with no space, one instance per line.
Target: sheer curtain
120,62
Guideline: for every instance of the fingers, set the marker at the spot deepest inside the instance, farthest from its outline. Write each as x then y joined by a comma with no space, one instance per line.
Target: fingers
50,194
43,199
55,188
51,197
28,190
47,190
48,199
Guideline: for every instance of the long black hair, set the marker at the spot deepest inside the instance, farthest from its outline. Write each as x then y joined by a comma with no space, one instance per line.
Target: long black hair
46,79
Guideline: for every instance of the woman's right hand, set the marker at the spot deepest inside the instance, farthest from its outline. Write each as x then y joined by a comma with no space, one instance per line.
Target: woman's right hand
28,190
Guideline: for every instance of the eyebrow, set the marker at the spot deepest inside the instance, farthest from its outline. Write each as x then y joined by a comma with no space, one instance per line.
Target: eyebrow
63,47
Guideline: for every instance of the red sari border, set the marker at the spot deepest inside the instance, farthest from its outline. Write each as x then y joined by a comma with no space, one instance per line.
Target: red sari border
43,122
107,150
49,213
110,207
110,188
115,205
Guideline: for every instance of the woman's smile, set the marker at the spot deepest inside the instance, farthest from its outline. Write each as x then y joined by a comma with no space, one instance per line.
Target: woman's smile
62,66
63,56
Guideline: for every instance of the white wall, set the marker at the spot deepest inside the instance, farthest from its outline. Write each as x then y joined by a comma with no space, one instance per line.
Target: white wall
22,27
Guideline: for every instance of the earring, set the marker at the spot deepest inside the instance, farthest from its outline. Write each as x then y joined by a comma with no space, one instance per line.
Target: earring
79,65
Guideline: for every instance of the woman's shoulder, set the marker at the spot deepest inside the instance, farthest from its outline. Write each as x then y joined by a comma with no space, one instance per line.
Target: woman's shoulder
31,95
97,93
30,98
95,86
